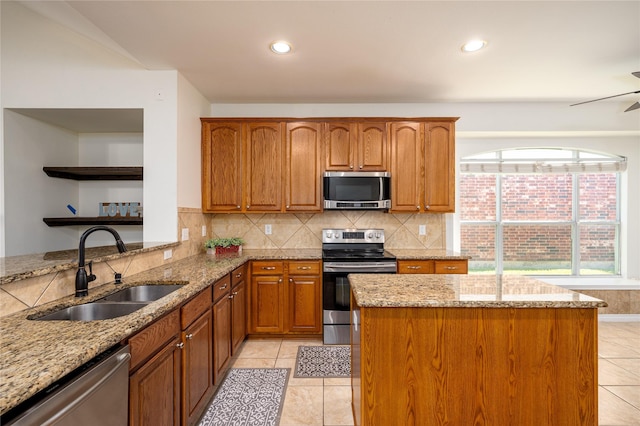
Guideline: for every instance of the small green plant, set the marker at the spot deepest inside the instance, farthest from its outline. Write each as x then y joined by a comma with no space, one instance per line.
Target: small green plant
224,242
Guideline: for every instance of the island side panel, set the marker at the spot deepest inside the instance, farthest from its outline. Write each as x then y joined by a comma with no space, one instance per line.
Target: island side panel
355,361
437,366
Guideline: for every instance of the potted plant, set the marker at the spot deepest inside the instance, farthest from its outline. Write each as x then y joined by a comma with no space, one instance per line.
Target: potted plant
224,246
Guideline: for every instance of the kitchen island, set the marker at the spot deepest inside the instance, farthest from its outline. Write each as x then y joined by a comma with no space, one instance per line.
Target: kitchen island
472,349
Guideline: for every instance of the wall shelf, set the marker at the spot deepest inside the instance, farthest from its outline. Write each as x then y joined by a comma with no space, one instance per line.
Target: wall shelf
101,220
95,173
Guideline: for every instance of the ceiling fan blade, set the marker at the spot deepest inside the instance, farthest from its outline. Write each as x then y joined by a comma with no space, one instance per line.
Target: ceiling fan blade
636,73
632,107
608,97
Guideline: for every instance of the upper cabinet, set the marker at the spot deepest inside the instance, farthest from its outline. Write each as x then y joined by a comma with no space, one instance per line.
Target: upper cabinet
276,165
423,166
356,146
303,167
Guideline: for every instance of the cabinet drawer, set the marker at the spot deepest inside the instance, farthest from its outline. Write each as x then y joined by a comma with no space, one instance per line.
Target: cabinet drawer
238,275
304,268
221,287
415,266
147,342
451,266
194,308
267,268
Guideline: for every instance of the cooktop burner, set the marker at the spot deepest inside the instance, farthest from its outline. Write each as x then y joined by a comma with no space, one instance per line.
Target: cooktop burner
354,245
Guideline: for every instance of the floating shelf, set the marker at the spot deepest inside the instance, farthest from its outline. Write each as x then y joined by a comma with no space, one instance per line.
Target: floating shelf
68,221
95,173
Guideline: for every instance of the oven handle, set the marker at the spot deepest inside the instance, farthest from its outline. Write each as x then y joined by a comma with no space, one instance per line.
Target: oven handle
351,267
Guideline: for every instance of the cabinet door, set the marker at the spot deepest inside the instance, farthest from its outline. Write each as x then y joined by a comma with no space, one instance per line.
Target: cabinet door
372,146
238,316
305,313
197,367
439,176
406,167
340,141
264,158
303,167
154,389
267,304
221,167
221,336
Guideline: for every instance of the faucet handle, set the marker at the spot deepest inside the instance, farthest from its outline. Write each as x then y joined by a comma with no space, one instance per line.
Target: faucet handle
91,277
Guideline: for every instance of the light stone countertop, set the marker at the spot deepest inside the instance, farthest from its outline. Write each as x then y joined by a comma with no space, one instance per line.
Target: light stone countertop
34,354
470,291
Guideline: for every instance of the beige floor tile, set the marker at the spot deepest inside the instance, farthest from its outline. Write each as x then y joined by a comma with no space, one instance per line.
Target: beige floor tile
612,374
630,394
297,381
614,411
614,349
302,406
632,365
337,406
254,363
260,349
337,381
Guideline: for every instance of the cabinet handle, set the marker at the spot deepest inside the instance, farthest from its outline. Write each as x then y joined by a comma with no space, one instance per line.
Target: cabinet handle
180,345
189,336
280,280
414,267
230,296
268,268
238,276
237,207
290,280
224,286
235,293
451,268
351,166
304,268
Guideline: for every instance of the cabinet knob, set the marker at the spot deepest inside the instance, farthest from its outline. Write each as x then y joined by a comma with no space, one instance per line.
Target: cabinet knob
290,280
417,207
280,280
426,207
351,166
235,293
361,166
288,207
180,345
230,296
237,207
189,336
248,206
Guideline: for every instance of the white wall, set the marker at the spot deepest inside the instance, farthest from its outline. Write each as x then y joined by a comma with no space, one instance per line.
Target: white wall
45,65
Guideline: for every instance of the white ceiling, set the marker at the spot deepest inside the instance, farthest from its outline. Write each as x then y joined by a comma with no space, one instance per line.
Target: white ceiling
375,51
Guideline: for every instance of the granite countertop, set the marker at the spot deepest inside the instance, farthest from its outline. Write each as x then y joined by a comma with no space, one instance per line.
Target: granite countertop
470,291
35,354
437,254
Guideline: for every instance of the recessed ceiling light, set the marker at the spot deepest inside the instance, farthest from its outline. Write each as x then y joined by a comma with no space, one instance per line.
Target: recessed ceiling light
473,45
280,47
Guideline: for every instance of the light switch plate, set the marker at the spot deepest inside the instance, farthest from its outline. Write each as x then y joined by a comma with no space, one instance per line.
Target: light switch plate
267,229
168,254
422,229
185,234
204,230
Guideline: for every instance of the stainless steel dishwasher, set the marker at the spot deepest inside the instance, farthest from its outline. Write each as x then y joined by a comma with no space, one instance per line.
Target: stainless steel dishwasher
95,394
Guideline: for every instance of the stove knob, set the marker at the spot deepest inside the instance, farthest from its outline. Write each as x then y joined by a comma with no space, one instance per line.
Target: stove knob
370,235
378,235
328,234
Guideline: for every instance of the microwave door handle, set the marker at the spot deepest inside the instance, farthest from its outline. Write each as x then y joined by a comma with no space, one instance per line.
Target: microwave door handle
381,188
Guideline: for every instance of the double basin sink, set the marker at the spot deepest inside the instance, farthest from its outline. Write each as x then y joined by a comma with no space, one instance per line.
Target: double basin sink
123,302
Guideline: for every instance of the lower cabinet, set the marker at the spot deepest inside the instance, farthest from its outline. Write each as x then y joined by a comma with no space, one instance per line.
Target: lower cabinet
431,266
286,297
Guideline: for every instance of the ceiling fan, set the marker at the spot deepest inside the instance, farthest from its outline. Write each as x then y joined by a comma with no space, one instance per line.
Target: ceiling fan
631,108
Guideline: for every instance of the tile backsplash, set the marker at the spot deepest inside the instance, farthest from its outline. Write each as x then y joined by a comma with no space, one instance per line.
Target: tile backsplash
304,230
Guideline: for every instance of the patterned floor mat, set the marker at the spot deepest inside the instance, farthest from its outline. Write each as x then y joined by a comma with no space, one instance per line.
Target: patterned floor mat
323,361
248,397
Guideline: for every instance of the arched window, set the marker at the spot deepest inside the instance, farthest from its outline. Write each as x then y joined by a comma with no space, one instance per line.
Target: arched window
541,211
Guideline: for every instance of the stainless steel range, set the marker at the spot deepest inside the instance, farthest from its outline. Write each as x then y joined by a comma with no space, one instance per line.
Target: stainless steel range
344,252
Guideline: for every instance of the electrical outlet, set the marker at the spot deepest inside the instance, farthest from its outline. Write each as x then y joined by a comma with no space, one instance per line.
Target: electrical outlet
204,230
168,254
422,229
185,234
267,229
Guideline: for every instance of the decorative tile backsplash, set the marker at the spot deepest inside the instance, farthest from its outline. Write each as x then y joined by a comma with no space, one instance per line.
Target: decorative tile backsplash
304,230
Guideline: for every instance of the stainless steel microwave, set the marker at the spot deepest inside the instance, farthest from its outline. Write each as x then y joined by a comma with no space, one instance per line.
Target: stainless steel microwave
357,190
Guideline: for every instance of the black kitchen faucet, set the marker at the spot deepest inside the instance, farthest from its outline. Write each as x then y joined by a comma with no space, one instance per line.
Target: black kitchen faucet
82,279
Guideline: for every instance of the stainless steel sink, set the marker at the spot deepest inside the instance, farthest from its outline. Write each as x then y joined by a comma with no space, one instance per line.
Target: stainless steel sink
142,293
93,311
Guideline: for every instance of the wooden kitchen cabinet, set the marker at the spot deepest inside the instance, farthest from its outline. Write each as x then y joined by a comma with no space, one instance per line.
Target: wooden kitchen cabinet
353,146
286,297
222,167
197,361
423,166
221,327
155,379
305,297
303,168
433,266
238,307
263,164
